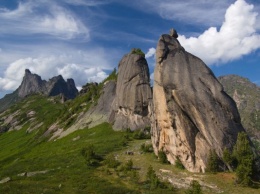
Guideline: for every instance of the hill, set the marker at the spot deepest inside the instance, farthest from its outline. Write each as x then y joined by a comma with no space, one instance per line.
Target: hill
247,97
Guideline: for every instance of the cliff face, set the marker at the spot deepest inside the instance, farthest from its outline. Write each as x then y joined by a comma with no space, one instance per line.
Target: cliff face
191,113
133,94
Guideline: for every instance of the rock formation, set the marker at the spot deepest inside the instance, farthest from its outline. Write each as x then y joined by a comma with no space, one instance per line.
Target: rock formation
133,93
32,84
191,113
97,114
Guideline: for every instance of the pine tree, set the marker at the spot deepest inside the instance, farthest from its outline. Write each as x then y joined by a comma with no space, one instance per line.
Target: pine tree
228,159
245,159
213,162
152,178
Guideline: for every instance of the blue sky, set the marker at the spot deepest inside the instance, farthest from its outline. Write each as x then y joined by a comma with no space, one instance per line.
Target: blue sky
85,39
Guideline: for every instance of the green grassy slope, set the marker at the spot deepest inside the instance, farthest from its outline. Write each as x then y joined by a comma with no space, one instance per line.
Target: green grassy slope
62,169
67,171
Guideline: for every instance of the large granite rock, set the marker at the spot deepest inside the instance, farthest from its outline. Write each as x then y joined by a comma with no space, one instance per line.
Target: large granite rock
191,113
33,84
133,94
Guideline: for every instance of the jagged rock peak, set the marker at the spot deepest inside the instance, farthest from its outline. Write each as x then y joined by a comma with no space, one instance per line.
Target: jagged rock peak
33,83
191,113
133,93
27,71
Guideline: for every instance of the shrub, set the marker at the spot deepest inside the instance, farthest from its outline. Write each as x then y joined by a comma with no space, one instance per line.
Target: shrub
152,178
111,161
178,164
139,134
213,162
195,188
138,52
146,148
162,157
129,165
90,156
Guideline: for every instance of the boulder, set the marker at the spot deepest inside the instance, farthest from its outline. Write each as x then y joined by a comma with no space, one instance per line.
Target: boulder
191,113
133,94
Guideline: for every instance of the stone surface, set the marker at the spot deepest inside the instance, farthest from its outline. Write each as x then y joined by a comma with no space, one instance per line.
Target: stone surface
191,112
133,94
5,180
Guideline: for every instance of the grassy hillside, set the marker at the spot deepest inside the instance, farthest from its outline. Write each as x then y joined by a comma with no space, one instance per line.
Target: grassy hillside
59,167
29,163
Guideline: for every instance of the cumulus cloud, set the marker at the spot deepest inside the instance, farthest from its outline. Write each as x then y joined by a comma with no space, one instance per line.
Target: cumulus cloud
150,53
28,18
236,37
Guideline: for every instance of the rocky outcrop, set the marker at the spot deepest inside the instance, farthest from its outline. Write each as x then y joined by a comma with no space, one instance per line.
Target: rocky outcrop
97,114
33,84
87,87
133,93
191,113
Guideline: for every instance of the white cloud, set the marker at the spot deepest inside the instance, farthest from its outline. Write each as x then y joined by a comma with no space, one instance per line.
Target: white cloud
28,18
150,53
236,37
81,65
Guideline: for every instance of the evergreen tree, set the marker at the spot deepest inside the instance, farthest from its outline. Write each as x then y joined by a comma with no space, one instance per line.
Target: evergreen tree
195,188
245,159
228,159
152,178
213,162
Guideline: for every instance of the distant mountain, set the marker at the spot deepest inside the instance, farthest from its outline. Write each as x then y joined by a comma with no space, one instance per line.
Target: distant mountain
33,84
247,97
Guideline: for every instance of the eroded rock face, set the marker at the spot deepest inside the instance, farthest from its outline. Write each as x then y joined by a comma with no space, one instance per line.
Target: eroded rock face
133,94
191,112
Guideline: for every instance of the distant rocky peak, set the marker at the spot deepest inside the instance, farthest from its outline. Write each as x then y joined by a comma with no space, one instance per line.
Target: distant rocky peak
33,84
27,71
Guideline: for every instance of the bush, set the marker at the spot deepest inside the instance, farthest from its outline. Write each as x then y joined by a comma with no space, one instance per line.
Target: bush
179,165
90,156
146,148
139,134
152,178
213,162
111,162
162,157
129,165
195,188
138,52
